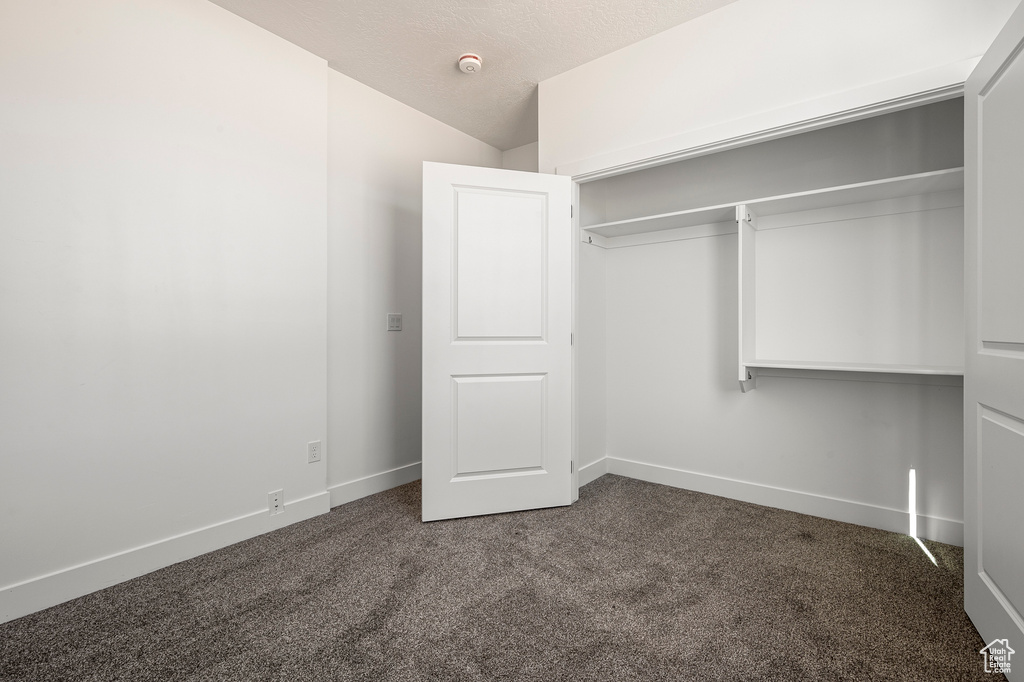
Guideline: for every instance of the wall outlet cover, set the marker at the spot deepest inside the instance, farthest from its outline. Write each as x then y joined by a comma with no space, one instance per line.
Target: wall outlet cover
314,451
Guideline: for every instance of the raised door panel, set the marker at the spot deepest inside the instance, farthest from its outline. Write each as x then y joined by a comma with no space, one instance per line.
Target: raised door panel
500,264
499,426
1001,472
1002,287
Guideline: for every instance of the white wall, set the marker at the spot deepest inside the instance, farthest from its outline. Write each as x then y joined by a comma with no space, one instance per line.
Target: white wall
377,149
162,288
718,75
522,158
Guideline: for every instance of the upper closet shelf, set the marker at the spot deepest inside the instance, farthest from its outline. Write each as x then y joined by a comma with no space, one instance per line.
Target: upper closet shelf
862,192
876,190
665,221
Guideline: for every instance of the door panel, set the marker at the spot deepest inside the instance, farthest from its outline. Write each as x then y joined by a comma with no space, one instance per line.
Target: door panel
999,109
497,384
1001,472
501,256
499,425
994,376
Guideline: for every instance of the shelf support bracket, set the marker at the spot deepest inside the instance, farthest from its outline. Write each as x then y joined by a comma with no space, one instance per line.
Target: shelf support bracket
750,383
746,224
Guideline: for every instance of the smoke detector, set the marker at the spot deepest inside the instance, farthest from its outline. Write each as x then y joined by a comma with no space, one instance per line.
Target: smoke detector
470,63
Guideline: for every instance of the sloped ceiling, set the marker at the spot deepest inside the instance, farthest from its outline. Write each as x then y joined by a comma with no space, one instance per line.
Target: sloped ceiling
408,49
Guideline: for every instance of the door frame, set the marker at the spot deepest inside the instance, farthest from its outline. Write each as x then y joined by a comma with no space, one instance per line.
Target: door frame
574,283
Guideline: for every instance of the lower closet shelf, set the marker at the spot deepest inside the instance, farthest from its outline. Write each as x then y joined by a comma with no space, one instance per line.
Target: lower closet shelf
856,367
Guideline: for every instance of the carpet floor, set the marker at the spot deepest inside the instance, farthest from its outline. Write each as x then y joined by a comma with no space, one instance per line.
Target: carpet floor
636,581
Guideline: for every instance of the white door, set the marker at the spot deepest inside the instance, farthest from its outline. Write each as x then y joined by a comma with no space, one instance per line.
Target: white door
994,381
497,384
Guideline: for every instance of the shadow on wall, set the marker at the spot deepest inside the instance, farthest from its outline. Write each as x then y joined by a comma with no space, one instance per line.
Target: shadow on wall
405,355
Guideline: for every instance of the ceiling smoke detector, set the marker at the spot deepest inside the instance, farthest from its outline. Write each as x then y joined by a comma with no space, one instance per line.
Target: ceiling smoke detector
470,63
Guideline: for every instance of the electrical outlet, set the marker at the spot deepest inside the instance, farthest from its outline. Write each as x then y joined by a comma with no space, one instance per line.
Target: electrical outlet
394,322
275,500
313,451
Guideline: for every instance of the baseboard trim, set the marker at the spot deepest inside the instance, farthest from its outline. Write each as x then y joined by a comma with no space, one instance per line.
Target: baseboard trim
375,483
36,594
593,471
873,516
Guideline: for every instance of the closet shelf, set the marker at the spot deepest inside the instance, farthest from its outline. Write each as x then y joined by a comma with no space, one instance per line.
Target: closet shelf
665,221
856,367
862,192
908,234
829,197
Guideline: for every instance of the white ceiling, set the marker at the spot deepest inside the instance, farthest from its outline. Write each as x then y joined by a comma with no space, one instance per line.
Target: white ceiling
408,49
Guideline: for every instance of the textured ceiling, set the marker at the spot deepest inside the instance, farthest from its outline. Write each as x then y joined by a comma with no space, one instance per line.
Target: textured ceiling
408,49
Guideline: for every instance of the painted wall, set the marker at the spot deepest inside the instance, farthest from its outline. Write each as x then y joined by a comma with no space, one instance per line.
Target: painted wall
163,281
522,158
377,150
721,74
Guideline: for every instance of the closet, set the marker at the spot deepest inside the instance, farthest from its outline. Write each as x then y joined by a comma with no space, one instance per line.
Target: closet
850,240
783,322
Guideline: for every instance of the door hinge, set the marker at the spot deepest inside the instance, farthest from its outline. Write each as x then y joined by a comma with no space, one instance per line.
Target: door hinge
572,339
570,210
571,467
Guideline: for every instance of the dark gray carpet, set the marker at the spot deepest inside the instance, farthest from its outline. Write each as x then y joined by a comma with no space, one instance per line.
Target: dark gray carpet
634,582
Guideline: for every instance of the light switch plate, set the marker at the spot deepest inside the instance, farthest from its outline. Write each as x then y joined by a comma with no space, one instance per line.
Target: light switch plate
394,322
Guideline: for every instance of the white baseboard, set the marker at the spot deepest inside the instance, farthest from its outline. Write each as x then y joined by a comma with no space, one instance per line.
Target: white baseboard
376,483
593,471
873,516
55,588
49,590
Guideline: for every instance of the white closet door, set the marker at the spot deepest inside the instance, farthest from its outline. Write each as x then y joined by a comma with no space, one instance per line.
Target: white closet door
497,384
994,380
